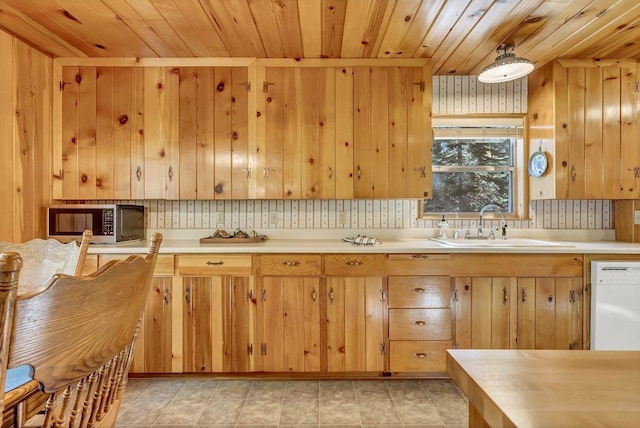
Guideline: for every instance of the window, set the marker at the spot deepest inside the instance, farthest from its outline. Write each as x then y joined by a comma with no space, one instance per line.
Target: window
475,163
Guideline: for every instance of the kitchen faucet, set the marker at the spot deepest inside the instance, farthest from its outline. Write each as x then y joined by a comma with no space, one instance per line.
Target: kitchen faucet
494,208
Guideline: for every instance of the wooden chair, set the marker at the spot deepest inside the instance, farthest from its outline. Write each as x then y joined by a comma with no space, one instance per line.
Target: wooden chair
42,258
76,335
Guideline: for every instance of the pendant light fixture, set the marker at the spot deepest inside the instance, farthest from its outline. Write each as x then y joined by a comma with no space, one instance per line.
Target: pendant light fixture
506,66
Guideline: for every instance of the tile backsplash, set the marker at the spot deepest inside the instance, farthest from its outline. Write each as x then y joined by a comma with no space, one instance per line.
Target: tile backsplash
356,214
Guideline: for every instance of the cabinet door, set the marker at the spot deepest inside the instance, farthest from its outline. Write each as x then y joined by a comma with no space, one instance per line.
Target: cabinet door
355,324
492,316
549,313
245,345
205,324
629,164
153,350
79,155
269,172
289,313
161,130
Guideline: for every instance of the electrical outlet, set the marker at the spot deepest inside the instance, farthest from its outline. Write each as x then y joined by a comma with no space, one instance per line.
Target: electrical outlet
342,218
220,219
273,218
636,217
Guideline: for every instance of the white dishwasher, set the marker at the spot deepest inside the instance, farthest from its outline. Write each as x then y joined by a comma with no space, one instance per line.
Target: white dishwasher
615,305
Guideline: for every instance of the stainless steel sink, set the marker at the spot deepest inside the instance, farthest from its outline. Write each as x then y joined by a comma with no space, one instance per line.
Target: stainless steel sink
498,243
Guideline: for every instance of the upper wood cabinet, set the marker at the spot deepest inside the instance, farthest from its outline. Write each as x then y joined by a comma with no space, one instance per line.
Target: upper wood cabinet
261,129
344,133
586,117
153,133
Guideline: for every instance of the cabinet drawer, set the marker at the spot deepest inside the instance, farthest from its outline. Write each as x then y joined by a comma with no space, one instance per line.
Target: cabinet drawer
420,324
417,356
164,262
291,264
354,265
213,264
419,292
417,264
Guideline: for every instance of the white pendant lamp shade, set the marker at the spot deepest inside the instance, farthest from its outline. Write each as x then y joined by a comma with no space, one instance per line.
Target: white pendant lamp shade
506,67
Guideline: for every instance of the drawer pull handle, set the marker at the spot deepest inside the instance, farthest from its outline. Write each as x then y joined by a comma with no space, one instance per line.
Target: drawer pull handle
354,263
291,263
419,322
419,290
220,263
421,354
419,256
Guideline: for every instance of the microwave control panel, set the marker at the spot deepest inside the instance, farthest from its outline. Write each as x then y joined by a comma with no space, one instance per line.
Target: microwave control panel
108,221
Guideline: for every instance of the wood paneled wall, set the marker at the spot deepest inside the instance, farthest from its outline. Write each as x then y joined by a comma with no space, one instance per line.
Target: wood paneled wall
25,140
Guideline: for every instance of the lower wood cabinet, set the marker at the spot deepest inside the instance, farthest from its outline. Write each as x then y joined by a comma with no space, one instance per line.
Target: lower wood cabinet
206,283
153,352
355,324
353,313
535,305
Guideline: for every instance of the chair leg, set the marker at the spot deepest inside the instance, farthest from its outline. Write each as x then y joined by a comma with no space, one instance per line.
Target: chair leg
19,416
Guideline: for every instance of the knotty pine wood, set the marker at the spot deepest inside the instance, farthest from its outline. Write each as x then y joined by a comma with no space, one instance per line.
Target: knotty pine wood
205,337
354,324
189,123
290,264
240,132
344,141
606,161
298,85
354,264
290,324
213,264
595,124
105,155
420,324
225,90
244,327
25,129
629,135
309,177
419,291
269,174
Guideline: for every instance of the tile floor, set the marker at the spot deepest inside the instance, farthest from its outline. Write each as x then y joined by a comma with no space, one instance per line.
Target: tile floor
268,403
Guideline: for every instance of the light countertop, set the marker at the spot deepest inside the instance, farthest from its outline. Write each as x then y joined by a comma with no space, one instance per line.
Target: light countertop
187,242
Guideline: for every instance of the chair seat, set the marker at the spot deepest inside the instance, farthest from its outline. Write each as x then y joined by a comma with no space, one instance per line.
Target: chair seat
18,376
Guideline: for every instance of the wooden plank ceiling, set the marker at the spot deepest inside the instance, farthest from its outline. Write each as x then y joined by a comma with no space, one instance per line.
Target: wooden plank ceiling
460,36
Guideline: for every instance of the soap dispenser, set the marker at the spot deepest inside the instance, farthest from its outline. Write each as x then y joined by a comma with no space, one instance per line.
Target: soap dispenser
444,228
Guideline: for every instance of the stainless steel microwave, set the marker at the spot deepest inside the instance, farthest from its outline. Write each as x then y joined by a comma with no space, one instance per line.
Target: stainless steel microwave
110,223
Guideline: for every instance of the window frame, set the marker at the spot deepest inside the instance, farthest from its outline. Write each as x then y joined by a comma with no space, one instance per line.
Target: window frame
520,175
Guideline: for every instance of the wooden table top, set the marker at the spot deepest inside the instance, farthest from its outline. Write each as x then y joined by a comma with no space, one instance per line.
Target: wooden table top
540,388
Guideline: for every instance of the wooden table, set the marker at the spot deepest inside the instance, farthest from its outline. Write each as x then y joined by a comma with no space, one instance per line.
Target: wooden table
536,388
